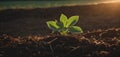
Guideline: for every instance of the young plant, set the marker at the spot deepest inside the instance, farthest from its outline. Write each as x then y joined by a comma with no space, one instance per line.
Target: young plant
65,26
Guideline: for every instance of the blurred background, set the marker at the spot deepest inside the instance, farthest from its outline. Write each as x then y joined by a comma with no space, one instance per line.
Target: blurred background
24,17
6,4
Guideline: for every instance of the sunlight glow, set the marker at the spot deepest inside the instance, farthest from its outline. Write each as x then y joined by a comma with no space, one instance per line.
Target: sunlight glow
114,1
110,1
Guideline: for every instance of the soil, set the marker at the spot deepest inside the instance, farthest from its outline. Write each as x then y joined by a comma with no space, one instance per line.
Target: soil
104,43
23,32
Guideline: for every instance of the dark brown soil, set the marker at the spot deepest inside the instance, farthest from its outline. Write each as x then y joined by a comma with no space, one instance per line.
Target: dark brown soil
101,43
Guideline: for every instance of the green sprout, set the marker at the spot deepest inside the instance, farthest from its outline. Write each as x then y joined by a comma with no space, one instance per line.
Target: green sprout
65,26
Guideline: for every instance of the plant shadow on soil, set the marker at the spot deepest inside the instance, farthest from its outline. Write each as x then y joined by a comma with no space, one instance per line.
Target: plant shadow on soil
102,40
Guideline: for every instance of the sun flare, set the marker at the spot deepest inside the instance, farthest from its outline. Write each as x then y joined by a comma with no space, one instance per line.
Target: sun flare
111,1
115,1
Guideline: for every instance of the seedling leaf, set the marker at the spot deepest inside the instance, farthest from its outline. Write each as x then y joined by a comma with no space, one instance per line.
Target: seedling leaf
75,29
63,19
72,21
65,25
53,25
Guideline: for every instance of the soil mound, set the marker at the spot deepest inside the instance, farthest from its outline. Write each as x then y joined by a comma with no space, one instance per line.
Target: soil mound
100,43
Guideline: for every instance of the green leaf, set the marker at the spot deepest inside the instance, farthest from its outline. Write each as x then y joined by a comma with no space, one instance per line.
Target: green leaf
63,19
53,25
72,21
75,29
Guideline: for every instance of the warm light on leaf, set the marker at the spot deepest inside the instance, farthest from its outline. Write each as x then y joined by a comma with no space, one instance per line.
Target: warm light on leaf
75,29
53,25
65,25
72,21
63,19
